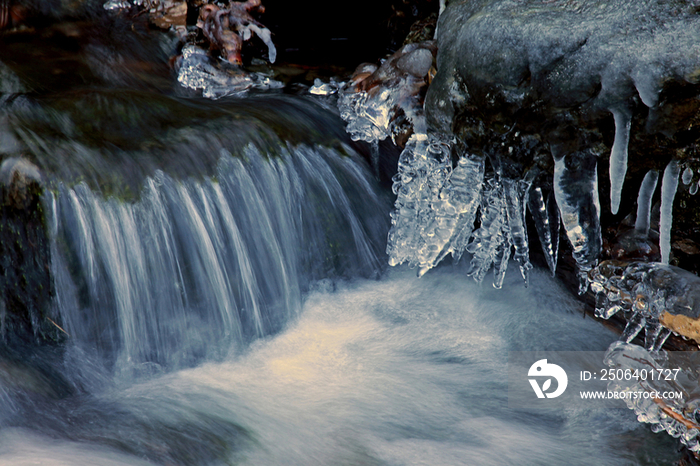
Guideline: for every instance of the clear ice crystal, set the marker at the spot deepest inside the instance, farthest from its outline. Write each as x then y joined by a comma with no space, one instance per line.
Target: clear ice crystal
673,415
492,237
199,72
648,292
669,186
515,194
368,115
422,172
547,222
576,192
618,156
455,211
634,325
646,192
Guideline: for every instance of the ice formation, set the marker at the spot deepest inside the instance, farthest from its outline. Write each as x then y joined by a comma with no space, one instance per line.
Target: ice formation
321,88
385,101
436,207
424,166
618,157
669,186
646,192
515,194
492,241
677,416
576,192
199,72
687,175
368,115
656,297
505,84
455,210
547,222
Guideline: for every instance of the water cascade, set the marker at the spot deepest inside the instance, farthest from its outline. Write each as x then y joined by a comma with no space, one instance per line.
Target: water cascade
194,246
143,278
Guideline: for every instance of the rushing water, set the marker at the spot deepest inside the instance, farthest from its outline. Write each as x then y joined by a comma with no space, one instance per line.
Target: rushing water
396,371
237,309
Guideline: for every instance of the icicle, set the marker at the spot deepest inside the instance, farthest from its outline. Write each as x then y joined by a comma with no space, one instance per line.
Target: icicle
634,326
547,225
490,236
669,185
687,175
457,206
661,339
646,192
576,192
618,157
501,262
515,193
266,36
421,174
652,330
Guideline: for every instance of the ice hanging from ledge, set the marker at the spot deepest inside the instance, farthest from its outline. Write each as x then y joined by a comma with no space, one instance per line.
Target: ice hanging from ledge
491,243
436,207
576,192
547,222
515,194
455,211
618,157
422,172
669,186
646,192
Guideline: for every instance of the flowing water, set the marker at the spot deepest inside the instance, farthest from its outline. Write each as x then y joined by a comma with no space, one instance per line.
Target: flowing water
392,371
237,309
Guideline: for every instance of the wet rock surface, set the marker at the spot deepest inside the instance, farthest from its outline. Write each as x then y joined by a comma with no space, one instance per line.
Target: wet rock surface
25,280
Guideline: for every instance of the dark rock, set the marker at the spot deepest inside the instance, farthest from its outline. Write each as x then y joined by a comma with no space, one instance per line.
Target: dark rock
25,277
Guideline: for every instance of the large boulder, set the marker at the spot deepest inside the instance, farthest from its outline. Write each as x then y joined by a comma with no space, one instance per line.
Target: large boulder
529,83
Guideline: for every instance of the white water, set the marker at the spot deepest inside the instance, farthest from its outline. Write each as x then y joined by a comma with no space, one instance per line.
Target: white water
400,371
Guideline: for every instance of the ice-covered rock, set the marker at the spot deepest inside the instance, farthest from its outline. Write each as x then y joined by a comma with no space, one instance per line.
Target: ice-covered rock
199,72
652,295
662,392
616,77
387,100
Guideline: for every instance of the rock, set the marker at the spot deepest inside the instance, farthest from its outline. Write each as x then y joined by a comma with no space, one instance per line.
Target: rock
25,281
498,65
603,77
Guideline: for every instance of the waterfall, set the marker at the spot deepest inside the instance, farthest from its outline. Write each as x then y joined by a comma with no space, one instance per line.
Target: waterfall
193,269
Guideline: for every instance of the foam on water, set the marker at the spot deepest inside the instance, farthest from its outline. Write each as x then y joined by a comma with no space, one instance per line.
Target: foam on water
396,371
